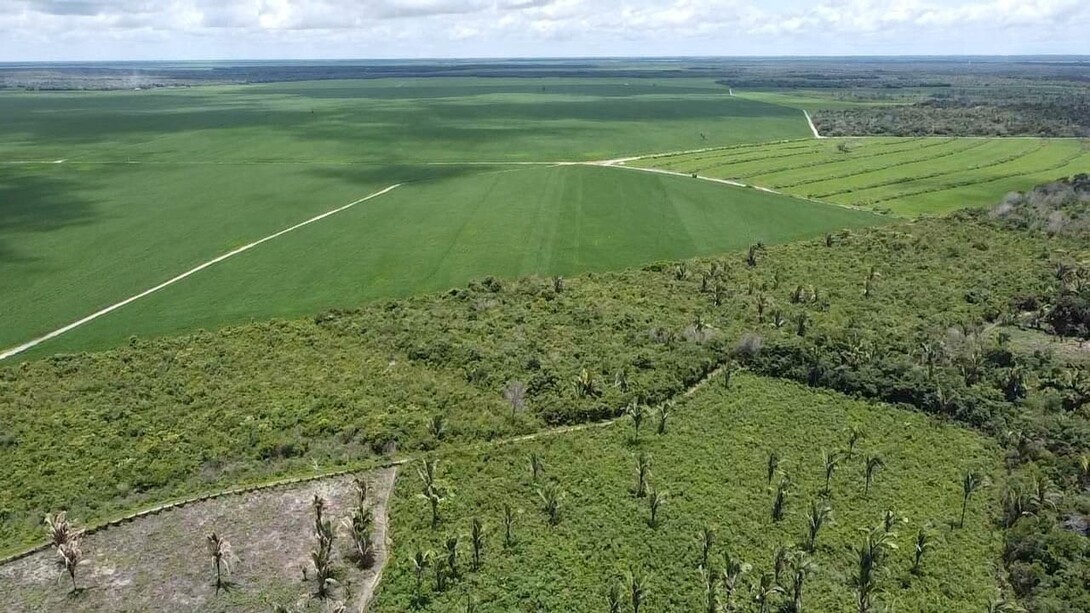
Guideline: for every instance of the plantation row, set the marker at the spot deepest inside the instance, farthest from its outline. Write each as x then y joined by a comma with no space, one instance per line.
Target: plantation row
97,433
905,176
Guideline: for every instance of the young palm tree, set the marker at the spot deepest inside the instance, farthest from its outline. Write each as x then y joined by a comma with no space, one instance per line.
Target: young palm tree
508,526
558,284
664,414
707,541
931,354
613,597
322,554
866,575
551,497
922,545
362,490
421,562
801,567
515,395
476,538
733,571
800,324
360,528
773,464
655,500
855,434
438,426
889,519
767,590
636,412
452,555
643,473
711,590
71,555
780,558
970,483
59,529
435,498
779,503
874,462
585,385
730,367
815,519
637,590
222,556
831,460
537,466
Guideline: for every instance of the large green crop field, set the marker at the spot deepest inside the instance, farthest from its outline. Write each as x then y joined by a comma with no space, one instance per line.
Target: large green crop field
153,183
906,176
712,466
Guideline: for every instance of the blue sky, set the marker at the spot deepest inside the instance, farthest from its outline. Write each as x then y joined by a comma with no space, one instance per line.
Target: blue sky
305,29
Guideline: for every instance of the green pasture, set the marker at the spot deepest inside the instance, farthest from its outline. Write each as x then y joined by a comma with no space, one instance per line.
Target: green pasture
712,466
434,235
906,176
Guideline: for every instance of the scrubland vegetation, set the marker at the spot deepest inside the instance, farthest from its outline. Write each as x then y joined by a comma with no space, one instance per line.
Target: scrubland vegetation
910,314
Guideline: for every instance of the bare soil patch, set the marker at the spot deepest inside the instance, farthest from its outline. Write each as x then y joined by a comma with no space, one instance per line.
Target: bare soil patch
160,562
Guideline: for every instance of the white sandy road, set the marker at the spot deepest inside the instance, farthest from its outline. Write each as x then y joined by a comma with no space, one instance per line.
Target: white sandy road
813,128
72,326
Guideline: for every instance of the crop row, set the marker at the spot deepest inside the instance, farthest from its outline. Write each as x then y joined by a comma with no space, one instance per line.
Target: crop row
945,171
866,169
753,174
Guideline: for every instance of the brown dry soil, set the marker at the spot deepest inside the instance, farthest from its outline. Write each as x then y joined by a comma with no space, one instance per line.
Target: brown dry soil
159,563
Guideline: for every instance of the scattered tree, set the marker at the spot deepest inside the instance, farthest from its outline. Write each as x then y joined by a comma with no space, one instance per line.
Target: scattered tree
815,519
874,462
636,412
222,556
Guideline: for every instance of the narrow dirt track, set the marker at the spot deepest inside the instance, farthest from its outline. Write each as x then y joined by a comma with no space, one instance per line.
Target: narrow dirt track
384,485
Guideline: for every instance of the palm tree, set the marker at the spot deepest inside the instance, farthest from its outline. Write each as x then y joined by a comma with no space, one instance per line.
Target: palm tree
476,537
830,461
800,324
551,496
765,592
663,414
585,385
655,499
711,591
360,527
643,473
322,555
889,518
815,519
855,434
780,557
537,465
1002,605
874,462
637,589
636,412
707,541
872,279
801,567
360,486
773,464
59,529
866,575
922,545
222,555
421,562
71,555
508,525
970,483
435,498
558,284
1041,496
451,545
438,426
733,571
931,353
780,501
515,395
613,597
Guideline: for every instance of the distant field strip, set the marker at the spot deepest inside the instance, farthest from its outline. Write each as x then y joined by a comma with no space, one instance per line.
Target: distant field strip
907,176
72,326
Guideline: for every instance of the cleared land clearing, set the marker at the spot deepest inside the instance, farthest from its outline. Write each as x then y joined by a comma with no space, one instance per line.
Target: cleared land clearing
440,234
160,562
712,464
902,175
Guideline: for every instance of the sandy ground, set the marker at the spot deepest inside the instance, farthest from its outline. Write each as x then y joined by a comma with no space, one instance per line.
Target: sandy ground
159,563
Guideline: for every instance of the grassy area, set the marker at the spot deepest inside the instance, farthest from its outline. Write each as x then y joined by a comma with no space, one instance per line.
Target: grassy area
156,182
440,234
903,175
712,465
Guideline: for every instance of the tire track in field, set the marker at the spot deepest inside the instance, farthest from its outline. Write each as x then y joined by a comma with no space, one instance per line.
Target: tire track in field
818,163
93,316
856,172
884,149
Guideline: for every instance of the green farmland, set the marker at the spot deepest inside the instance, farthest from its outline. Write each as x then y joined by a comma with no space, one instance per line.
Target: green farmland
171,179
905,176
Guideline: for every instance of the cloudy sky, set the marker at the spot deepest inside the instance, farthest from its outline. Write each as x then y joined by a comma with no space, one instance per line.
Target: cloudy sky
304,29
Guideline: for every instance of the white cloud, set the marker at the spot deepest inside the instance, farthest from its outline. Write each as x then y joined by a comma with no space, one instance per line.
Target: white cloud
362,28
